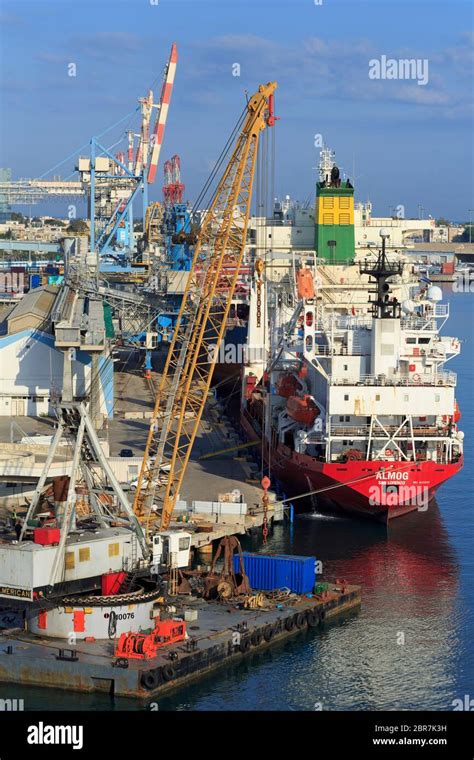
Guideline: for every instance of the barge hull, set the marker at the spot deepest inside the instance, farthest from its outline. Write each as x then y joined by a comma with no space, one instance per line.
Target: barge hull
226,635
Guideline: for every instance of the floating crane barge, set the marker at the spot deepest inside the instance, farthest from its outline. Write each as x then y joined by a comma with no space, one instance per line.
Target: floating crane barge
221,635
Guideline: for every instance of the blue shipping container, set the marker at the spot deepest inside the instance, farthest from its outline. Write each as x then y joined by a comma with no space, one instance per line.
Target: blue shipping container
267,572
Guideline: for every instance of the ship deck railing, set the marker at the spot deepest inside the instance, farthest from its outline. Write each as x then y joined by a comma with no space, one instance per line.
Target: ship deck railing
419,323
356,322
339,350
426,380
419,431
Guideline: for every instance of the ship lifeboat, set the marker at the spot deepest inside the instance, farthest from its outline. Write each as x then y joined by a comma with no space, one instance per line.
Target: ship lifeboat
302,409
305,283
456,416
287,385
457,413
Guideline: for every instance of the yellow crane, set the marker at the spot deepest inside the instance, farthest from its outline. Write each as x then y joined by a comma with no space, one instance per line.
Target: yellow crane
201,322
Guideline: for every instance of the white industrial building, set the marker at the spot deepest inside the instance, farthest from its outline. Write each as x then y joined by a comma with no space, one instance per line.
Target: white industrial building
402,231
293,227
31,367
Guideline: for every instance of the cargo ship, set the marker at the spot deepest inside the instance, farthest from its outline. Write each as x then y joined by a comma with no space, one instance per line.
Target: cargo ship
354,405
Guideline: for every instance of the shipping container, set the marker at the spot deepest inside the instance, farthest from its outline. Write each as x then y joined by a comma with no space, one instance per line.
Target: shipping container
447,267
267,572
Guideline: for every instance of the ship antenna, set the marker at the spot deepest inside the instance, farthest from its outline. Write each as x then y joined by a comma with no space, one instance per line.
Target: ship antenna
383,306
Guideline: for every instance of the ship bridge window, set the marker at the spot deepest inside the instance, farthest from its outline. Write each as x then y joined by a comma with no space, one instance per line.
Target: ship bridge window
424,340
411,340
346,397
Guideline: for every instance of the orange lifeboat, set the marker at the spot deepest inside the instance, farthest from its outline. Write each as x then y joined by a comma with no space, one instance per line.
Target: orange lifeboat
302,409
457,413
305,283
287,385
456,416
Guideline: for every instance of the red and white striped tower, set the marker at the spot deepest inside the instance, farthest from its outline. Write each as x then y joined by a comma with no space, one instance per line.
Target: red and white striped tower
159,130
130,151
120,157
141,160
168,182
178,187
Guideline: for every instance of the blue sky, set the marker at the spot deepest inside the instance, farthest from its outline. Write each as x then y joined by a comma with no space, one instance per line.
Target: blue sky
411,144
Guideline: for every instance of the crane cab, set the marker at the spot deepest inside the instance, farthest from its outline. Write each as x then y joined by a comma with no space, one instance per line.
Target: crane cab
171,549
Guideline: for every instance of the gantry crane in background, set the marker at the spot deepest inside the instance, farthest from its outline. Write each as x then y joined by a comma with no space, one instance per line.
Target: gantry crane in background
173,189
202,318
110,182
114,184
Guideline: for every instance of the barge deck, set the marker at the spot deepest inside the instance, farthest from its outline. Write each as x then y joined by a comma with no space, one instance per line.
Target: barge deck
222,633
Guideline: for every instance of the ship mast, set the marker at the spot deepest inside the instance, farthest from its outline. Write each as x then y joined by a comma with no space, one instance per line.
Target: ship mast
383,306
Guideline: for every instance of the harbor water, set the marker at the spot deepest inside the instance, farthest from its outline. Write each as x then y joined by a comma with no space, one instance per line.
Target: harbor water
409,648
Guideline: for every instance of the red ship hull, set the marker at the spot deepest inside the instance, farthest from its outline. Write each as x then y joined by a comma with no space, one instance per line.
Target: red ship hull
379,490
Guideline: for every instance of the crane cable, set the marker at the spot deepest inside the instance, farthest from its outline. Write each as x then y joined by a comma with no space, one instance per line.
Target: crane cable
202,195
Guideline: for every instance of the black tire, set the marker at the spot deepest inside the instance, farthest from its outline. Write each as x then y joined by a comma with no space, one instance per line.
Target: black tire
256,638
269,633
167,673
244,645
149,680
299,619
313,619
289,624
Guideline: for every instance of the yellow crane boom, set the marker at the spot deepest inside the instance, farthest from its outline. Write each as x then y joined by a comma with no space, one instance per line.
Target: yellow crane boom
201,322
